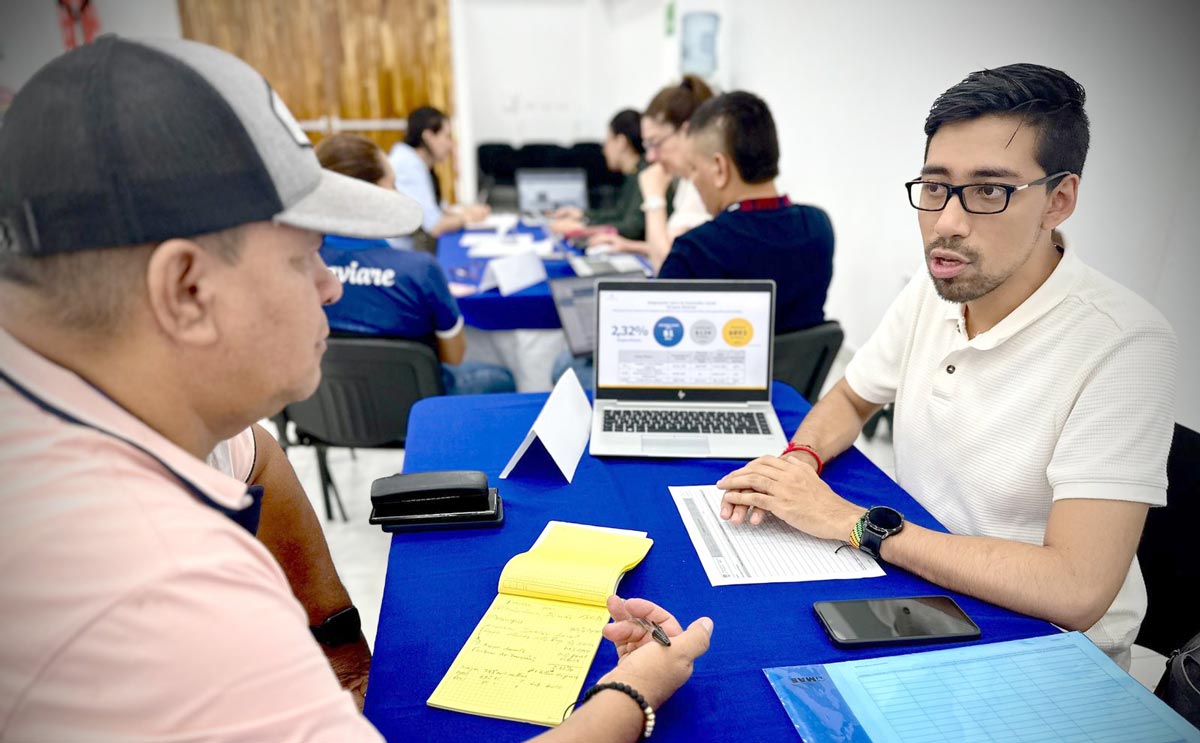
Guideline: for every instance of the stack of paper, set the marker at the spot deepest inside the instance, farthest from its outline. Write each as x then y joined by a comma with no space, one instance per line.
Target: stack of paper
528,656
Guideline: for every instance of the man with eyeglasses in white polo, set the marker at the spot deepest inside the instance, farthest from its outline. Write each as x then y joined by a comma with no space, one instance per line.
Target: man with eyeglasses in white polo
1033,396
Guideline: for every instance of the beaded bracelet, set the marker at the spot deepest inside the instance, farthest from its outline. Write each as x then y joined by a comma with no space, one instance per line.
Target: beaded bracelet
647,710
857,532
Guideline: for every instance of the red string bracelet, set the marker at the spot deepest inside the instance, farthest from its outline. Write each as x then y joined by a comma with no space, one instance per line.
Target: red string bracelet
792,446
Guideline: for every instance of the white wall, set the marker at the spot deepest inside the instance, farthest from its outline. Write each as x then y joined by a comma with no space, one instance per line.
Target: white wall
549,70
30,37
851,84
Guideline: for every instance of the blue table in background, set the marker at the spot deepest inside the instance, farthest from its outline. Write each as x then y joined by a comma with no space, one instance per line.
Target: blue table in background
530,308
439,584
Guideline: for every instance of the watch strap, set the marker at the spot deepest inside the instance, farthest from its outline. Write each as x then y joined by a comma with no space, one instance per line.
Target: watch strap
340,628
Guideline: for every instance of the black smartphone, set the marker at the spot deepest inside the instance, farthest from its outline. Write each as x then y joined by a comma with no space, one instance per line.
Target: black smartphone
858,622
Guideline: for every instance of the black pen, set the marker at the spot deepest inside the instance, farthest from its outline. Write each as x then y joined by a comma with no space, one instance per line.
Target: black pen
655,631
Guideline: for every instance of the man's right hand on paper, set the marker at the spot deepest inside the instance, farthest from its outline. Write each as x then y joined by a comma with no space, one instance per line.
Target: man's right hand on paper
656,671
793,491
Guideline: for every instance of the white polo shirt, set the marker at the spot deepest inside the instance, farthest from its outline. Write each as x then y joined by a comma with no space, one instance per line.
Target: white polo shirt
1070,396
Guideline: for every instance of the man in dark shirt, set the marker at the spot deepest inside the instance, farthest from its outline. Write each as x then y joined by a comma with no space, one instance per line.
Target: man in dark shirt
756,233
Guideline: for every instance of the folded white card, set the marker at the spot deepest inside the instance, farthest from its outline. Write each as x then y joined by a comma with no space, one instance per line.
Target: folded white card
563,426
513,273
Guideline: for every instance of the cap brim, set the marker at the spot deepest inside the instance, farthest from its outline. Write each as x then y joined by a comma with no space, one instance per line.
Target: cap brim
341,205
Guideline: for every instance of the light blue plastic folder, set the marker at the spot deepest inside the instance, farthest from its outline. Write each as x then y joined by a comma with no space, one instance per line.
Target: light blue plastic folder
1052,688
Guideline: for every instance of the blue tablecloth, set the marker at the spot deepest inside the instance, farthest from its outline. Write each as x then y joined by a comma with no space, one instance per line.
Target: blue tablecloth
439,584
529,308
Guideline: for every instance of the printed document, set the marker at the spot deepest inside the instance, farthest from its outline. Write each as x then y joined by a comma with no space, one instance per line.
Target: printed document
771,552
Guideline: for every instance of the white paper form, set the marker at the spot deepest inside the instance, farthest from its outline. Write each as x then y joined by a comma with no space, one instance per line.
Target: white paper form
771,552
502,223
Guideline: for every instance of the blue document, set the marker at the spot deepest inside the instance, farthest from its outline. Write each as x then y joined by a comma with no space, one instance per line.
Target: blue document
1052,688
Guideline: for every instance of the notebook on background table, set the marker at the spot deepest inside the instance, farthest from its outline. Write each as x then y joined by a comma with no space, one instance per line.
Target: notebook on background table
683,369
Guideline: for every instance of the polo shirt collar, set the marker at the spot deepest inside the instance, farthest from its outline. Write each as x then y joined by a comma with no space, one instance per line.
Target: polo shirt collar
66,395
1053,290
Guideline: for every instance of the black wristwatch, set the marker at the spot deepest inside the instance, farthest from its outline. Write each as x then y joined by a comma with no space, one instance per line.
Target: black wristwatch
879,523
340,628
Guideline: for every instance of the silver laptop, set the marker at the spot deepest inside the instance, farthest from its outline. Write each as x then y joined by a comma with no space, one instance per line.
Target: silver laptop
575,302
542,189
683,369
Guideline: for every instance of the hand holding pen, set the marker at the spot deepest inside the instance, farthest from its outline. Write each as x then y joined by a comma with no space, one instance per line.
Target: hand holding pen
655,631
637,622
655,652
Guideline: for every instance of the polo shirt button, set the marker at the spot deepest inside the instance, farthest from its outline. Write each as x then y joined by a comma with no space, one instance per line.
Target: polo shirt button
950,369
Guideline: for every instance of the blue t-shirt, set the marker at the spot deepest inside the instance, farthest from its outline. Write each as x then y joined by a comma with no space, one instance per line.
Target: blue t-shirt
389,292
792,245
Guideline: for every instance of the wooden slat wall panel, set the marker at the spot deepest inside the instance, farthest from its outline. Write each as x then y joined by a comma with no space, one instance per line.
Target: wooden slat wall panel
357,59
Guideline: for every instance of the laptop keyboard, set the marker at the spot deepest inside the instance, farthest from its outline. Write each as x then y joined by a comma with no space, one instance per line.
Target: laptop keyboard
685,421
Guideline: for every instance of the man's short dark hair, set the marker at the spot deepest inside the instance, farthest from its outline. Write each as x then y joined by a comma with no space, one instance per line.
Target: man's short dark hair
1046,99
423,119
747,132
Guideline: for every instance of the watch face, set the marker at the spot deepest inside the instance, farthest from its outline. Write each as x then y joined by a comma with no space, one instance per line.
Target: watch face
885,518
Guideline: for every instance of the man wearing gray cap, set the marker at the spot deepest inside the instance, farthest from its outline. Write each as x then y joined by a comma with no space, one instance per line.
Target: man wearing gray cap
160,290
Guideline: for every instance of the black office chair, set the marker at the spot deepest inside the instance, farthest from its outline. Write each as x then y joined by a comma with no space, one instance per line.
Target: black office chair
368,386
544,155
1167,553
497,161
803,357
602,183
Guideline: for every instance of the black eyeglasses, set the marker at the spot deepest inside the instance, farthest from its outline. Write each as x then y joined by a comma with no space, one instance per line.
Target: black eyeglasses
649,144
976,198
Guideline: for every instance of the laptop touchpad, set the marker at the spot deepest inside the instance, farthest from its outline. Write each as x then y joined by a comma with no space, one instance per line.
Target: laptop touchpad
675,444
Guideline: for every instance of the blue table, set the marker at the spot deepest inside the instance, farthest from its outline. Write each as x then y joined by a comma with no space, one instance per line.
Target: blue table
439,584
530,308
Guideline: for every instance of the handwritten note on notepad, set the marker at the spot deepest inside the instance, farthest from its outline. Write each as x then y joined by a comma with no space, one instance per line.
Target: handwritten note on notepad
527,658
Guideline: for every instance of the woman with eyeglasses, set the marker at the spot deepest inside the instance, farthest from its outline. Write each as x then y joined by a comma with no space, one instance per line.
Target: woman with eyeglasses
668,213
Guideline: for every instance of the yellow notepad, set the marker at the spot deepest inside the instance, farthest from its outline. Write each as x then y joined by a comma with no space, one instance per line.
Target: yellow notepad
528,656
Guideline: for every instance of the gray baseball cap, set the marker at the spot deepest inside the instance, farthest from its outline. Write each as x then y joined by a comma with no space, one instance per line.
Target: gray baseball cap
123,142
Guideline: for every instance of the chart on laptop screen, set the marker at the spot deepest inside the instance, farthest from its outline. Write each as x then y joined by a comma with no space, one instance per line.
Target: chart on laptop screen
681,340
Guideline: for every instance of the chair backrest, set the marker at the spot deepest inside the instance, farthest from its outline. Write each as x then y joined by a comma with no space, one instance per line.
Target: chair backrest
544,155
367,387
1167,554
803,357
497,161
590,157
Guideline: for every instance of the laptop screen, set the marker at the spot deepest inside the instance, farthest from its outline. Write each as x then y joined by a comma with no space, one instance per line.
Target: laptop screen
542,189
575,300
685,340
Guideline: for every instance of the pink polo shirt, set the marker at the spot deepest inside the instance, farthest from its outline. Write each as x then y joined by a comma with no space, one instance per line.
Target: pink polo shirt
130,609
